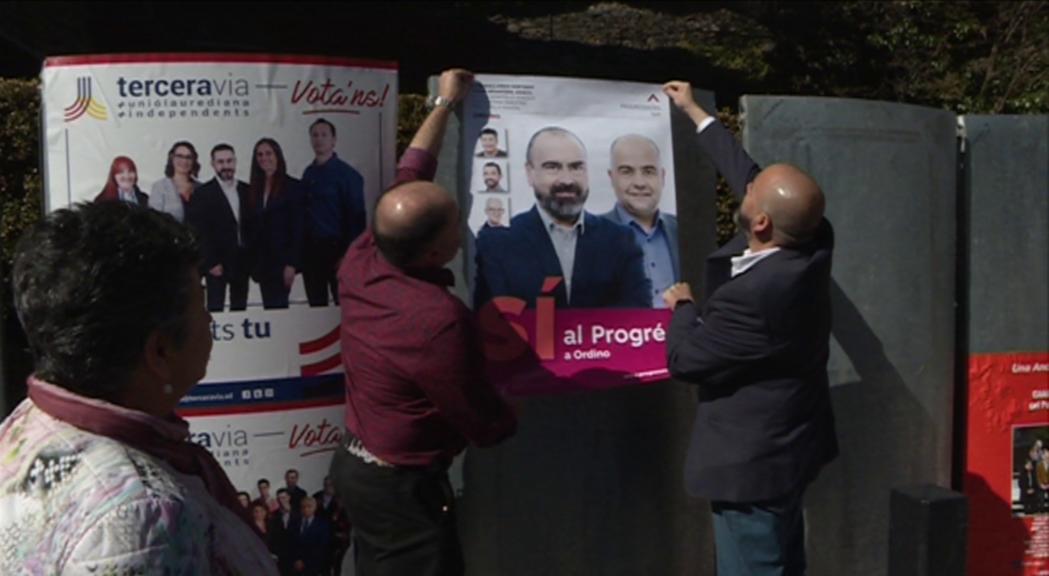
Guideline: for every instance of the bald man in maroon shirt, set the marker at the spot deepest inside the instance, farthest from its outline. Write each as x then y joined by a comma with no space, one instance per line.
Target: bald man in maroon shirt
416,394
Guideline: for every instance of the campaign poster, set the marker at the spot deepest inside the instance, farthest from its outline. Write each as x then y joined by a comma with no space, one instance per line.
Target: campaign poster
1007,477
274,161
571,200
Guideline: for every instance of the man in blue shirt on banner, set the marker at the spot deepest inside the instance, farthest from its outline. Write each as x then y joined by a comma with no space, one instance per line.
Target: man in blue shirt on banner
638,177
334,214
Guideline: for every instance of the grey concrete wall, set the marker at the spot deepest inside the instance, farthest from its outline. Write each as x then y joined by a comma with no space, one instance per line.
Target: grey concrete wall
592,483
1007,211
889,174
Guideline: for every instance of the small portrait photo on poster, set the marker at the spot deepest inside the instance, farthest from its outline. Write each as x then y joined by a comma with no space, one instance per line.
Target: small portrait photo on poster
489,211
490,177
1030,471
491,143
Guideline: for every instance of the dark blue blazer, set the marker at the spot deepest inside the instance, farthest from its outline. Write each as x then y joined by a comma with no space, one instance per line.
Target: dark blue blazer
758,354
280,232
210,214
515,260
313,546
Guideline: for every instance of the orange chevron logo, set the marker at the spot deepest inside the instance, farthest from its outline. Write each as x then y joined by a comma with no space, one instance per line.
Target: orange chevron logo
84,103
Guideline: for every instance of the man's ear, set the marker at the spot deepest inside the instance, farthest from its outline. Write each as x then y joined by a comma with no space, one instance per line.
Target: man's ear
158,354
761,223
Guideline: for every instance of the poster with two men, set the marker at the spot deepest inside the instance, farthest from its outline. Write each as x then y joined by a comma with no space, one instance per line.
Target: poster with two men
571,204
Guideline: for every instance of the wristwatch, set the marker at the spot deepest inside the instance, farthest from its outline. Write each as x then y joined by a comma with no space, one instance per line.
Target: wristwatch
435,101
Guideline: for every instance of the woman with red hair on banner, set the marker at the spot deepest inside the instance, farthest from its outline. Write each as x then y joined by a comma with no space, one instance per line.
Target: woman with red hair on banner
280,205
122,183
172,194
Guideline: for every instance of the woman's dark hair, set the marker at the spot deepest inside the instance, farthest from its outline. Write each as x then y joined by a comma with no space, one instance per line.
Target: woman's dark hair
322,121
257,183
91,283
169,168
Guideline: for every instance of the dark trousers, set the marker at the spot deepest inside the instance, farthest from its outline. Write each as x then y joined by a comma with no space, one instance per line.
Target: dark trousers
274,294
320,263
403,519
237,280
760,539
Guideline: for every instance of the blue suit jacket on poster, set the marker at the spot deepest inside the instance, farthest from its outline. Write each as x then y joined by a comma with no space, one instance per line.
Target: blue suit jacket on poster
764,425
515,260
669,226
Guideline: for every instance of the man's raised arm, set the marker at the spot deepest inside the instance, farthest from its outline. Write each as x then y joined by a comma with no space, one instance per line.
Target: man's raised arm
731,160
419,161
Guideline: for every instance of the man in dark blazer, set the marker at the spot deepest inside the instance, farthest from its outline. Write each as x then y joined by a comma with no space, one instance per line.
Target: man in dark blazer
596,261
312,544
758,354
637,176
284,530
225,218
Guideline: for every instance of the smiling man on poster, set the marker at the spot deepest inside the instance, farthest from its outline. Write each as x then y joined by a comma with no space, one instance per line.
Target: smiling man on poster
221,212
334,214
638,176
599,263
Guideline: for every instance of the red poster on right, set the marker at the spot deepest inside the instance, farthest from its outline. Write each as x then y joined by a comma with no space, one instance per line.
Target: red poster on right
1007,476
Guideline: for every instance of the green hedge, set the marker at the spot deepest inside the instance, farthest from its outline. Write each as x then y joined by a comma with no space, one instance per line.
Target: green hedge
20,181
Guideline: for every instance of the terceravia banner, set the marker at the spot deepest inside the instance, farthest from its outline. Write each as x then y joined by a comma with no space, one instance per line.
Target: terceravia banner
273,160
571,201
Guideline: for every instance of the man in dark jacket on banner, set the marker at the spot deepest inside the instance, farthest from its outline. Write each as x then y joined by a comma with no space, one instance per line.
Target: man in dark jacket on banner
758,354
223,215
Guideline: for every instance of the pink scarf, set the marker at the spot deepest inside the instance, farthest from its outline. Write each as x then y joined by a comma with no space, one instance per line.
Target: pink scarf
164,438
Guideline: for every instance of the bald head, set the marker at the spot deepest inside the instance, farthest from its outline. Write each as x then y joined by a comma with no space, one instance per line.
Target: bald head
792,200
637,176
409,221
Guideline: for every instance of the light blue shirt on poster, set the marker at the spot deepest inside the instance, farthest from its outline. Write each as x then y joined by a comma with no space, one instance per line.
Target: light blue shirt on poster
658,262
564,241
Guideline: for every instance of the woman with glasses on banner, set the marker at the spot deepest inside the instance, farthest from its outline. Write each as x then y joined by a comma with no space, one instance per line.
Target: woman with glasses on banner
280,204
122,183
97,473
173,193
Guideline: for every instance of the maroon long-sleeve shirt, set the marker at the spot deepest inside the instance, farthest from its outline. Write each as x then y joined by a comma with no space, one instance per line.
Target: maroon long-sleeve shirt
415,386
